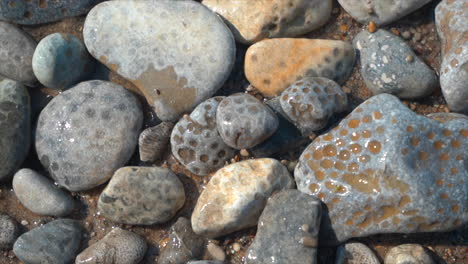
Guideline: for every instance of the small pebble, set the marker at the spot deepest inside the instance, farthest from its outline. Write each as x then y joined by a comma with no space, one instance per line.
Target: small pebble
309,242
406,35
408,254
24,222
244,153
417,37
8,232
305,228
372,27
409,58
236,246
216,252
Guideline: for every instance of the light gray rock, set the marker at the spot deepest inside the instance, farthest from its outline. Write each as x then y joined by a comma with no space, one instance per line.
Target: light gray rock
165,48
142,196
9,231
355,253
385,66
153,141
87,132
16,52
15,126
408,254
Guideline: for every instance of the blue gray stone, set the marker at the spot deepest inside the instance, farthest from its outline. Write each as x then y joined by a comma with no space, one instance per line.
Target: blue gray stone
87,132
389,65
9,231
61,61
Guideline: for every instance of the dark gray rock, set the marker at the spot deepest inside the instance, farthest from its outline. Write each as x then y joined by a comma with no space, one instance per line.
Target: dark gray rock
16,52
183,245
142,196
355,253
244,122
54,243
195,140
408,254
389,65
9,231
40,195
153,141
87,132
15,123
61,60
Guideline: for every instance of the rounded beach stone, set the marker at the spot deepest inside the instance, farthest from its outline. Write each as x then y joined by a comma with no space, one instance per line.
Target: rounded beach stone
355,253
408,254
9,231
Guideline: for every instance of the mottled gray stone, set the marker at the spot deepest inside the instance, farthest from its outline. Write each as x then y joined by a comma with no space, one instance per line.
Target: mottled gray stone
408,254
87,132
117,247
244,122
311,102
15,123
385,169
355,253
142,196
452,27
195,140
380,11
236,195
61,60
287,230
183,244
153,141
54,243
16,52
43,11
178,53
9,231
385,67
40,195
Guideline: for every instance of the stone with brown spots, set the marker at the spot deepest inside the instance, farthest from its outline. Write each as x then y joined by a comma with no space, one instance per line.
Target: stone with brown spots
452,27
384,169
273,65
236,195
252,21
178,53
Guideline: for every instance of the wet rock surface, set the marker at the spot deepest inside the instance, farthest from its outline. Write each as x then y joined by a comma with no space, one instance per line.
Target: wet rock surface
9,231
355,253
142,196
87,132
153,141
408,254
287,230
172,45
406,170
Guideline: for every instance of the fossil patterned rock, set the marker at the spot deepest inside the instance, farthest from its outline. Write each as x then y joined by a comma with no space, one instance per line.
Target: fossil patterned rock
153,141
384,169
355,253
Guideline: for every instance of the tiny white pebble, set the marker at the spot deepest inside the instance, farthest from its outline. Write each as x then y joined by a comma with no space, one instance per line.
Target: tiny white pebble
216,252
244,153
24,222
236,246
305,228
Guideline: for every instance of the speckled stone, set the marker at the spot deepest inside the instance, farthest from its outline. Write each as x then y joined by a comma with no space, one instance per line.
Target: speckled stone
385,169
355,253
43,11
87,132
142,196
16,52
385,69
244,122
117,247
9,231
195,140
252,21
40,195
452,27
15,123
287,230
153,141
61,60
273,65
311,102
183,244
165,48
380,11
236,195
408,254
54,243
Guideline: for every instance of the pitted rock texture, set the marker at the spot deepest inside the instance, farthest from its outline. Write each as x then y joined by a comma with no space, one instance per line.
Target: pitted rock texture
16,52
43,11
273,65
61,61
117,247
311,102
15,124
408,254
142,196
384,169
287,230
389,65
9,231
244,122
87,132
452,27
153,141
183,244
195,140
252,21
355,253
40,195
236,195
380,11
56,242
165,48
